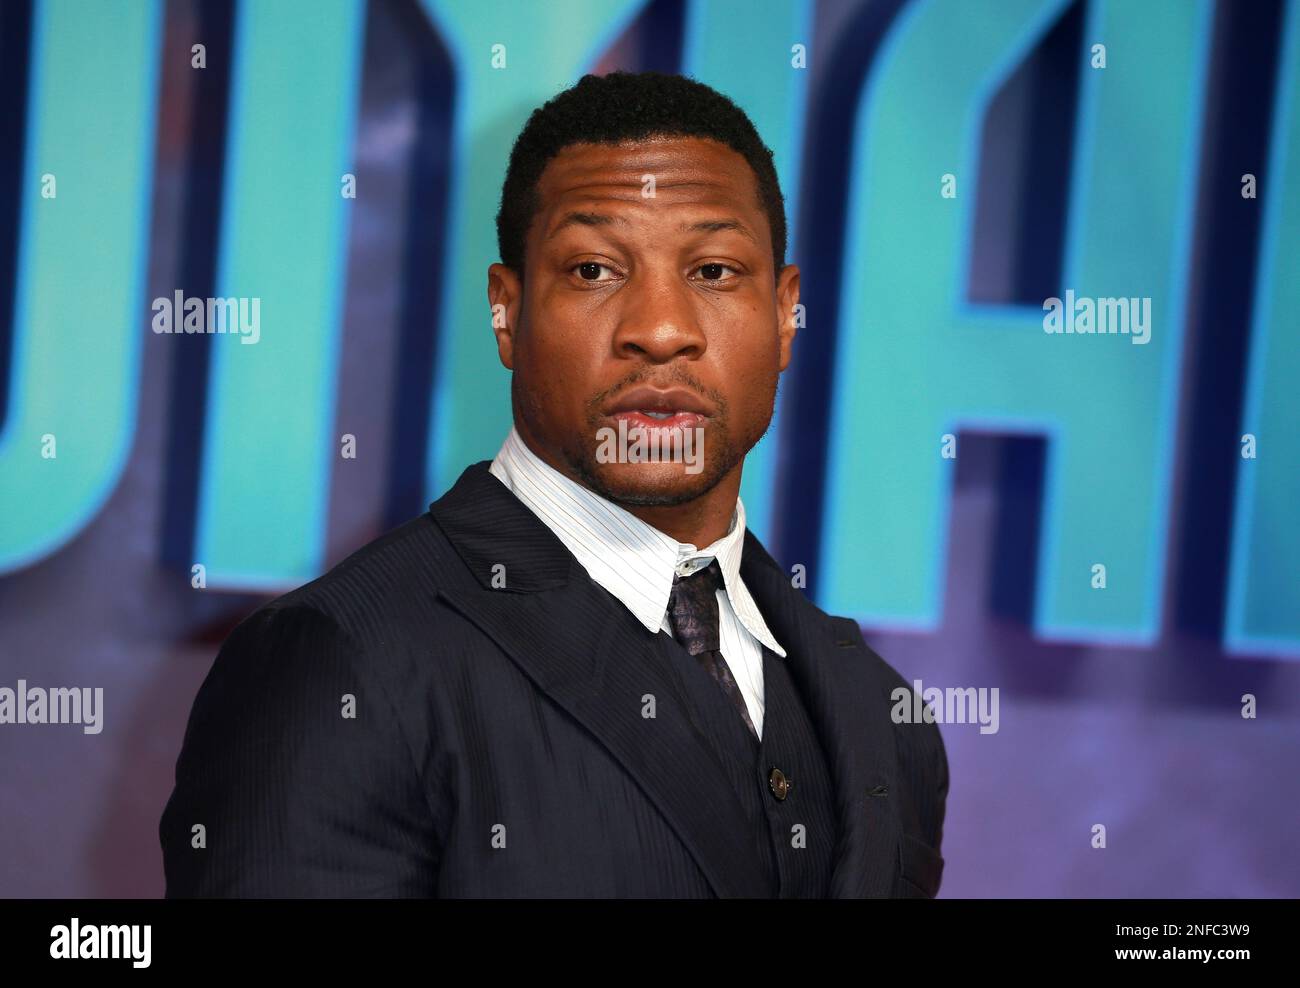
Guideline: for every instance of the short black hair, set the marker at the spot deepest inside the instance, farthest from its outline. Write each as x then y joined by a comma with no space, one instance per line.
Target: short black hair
625,106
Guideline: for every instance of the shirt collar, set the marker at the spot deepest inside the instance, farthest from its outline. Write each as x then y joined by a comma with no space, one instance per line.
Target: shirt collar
631,559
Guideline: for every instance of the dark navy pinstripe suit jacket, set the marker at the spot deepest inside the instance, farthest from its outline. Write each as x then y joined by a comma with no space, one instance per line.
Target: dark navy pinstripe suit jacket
497,744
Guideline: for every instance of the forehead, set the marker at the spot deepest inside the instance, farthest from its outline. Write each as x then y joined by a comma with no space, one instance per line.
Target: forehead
687,171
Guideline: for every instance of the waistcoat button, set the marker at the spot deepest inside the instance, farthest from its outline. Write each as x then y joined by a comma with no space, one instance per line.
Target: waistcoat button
779,784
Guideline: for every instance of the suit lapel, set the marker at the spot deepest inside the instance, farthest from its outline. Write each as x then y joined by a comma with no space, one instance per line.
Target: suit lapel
582,648
840,685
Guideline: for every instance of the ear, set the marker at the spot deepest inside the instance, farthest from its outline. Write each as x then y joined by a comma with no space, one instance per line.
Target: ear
505,296
787,297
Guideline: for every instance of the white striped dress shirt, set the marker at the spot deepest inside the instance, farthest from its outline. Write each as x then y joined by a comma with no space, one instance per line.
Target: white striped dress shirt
636,562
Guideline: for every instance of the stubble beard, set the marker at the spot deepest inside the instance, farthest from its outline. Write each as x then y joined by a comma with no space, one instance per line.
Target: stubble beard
721,454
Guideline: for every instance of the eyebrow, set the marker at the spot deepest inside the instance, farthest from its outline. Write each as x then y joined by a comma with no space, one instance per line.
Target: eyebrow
713,226
584,219
602,219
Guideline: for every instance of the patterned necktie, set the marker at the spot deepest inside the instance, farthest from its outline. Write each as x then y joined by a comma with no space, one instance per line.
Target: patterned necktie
693,614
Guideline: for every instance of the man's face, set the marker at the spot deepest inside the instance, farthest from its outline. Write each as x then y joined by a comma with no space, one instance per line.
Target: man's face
661,311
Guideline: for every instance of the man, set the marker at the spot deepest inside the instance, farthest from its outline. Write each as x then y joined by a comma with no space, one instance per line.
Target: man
544,686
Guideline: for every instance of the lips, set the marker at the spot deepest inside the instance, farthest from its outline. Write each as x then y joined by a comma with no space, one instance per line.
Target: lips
672,402
652,408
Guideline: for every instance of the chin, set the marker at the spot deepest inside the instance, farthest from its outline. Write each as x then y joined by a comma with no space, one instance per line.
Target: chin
650,484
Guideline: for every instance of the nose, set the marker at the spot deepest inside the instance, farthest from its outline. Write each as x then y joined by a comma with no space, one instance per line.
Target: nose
658,322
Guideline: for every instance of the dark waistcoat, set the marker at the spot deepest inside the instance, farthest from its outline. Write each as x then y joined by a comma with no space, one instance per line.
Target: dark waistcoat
782,780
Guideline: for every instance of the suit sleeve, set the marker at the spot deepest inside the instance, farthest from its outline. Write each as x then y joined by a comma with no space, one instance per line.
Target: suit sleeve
294,778
926,761
941,797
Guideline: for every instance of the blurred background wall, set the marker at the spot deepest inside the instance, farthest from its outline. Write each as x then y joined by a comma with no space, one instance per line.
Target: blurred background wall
945,470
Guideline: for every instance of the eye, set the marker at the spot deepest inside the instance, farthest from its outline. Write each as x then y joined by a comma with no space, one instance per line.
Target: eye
590,271
714,271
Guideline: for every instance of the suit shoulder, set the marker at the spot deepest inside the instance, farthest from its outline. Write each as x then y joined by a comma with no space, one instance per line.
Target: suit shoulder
389,582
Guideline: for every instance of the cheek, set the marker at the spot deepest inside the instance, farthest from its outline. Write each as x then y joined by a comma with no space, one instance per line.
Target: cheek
557,362
749,361
750,370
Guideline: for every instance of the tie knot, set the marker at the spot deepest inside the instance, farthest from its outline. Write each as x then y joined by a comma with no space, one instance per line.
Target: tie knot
693,609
